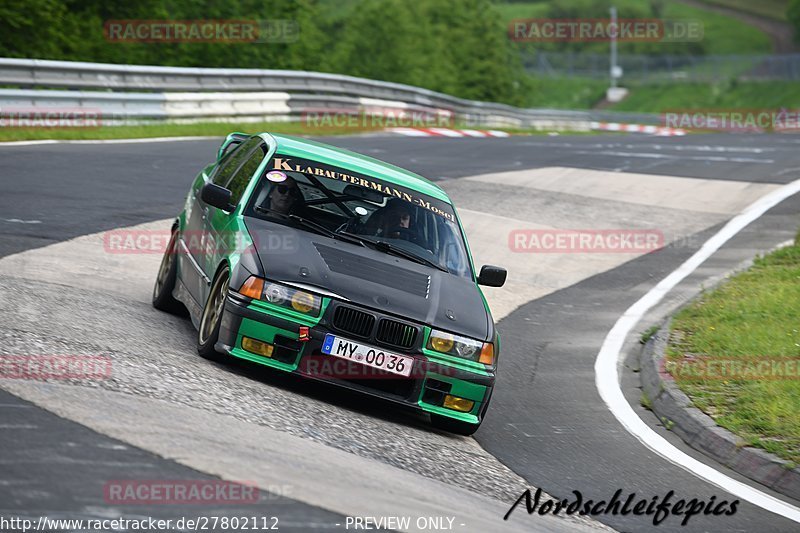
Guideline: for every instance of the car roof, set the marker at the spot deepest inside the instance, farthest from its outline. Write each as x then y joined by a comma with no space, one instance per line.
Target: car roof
345,159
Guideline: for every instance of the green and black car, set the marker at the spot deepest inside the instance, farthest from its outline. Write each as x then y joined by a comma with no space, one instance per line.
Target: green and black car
338,267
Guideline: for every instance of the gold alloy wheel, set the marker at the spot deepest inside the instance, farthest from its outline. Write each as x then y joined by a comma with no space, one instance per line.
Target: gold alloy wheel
212,313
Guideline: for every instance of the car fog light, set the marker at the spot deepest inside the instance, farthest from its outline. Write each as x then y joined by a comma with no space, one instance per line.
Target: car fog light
257,347
458,404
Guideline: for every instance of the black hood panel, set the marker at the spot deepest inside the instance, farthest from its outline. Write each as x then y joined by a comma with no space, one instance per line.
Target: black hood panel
383,272
371,278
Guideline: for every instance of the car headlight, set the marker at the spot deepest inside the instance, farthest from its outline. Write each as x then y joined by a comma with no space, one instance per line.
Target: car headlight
448,343
282,295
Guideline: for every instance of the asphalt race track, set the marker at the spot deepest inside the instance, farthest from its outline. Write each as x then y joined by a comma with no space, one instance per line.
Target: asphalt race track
319,454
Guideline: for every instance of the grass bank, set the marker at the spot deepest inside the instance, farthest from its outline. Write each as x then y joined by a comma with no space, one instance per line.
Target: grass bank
209,129
722,34
729,95
774,9
582,93
720,342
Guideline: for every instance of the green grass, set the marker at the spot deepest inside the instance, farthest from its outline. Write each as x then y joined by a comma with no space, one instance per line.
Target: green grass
774,9
648,334
585,93
522,10
645,402
565,93
212,129
729,95
170,130
722,34
753,316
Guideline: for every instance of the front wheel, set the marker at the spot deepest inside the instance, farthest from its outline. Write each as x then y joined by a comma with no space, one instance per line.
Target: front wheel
211,319
165,280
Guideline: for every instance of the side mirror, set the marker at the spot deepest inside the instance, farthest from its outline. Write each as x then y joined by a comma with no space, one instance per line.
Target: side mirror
492,276
217,196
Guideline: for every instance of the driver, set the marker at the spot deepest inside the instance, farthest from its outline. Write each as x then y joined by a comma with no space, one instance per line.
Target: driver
395,220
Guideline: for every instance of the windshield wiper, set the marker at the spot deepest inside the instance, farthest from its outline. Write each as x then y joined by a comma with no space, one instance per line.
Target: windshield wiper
323,230
319,228
268,211
310,224
390,248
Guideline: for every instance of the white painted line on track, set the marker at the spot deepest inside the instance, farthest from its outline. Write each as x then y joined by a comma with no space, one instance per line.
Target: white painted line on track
651,155
111,141
18,221
639,146
606,366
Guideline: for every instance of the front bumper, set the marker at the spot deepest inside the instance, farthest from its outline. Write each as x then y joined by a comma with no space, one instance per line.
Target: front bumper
425,389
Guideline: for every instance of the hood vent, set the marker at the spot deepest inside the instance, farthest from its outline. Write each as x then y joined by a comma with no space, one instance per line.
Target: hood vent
376,271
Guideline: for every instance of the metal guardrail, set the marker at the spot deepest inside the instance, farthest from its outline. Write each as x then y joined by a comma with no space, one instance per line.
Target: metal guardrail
122,92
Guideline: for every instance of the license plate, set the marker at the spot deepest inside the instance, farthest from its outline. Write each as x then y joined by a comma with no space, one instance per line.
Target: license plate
367,355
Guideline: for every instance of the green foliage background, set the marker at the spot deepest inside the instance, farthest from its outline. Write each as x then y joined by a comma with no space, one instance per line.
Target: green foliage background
793,14
455,46
460,47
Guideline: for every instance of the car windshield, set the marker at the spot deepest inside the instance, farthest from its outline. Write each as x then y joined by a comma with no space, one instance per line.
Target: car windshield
361,209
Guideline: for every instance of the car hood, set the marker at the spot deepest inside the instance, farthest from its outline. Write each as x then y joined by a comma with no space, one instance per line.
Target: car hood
370,278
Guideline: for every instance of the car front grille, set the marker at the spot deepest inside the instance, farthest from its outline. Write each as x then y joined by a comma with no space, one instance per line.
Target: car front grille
396,333
362,324
353,321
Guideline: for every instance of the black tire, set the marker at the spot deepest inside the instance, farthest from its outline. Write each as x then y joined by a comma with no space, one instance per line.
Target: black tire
454,426
165,280
210,320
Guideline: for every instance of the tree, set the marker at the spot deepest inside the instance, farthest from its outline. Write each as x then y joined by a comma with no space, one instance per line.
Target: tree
793,14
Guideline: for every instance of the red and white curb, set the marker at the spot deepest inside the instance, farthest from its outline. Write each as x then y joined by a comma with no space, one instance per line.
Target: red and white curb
447,132
637,128
602,126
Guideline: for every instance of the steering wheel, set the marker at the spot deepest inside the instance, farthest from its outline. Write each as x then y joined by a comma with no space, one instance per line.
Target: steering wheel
407,234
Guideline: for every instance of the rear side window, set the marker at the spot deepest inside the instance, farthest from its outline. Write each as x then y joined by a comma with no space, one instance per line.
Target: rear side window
233,161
